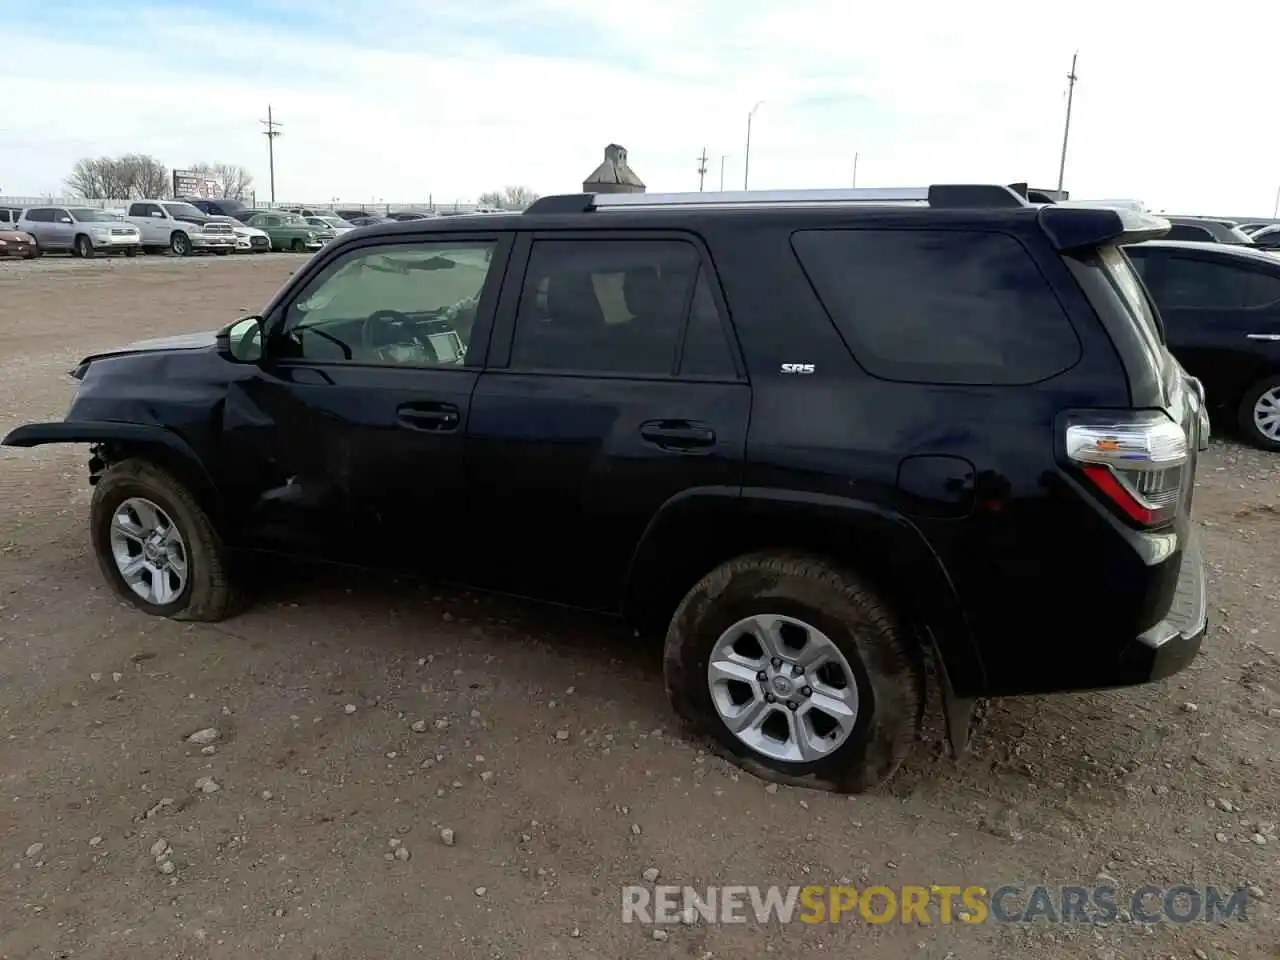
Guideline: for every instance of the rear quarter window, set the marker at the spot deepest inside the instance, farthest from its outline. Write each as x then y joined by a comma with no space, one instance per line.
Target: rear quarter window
933,306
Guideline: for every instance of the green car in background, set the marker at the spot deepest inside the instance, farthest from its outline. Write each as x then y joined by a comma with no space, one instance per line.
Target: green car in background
288,231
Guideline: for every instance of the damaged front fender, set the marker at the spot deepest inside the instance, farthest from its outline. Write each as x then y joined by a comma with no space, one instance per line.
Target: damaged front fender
110,434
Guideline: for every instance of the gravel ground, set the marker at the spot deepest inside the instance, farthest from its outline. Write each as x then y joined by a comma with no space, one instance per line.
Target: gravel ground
400,770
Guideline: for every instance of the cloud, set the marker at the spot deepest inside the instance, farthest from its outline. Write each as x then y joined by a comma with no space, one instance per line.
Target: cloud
404,100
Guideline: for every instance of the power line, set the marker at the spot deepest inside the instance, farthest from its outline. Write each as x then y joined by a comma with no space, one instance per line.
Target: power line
1066,127
271,133
702,168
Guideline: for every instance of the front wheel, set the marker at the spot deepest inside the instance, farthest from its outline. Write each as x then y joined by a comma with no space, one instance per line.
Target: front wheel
299,247
180,244
797,670
131,252
156,546
84,247
1259,414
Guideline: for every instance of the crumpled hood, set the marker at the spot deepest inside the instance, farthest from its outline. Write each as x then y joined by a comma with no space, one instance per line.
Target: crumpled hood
187,341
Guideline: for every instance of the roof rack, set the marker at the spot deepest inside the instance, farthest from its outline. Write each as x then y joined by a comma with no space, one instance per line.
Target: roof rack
941,196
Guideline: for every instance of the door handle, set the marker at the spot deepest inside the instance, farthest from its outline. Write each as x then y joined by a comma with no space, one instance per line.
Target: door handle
677,434
438,417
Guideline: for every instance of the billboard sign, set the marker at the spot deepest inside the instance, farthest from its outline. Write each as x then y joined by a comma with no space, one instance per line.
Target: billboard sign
192,183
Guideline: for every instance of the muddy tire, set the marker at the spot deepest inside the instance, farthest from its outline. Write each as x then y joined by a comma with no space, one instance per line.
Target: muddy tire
796,593
137,509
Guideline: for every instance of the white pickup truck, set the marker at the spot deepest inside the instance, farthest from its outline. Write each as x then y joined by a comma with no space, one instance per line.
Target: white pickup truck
179,227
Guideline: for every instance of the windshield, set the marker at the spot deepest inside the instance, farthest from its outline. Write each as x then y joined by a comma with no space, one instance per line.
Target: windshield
182,210
89,215
333,221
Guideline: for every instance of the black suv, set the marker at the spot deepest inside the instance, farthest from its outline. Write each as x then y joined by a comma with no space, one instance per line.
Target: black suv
827,441
1220,305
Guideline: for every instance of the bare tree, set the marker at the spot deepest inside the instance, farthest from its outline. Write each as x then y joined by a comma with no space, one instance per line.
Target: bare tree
132,176
234,181
517,197
146,176
508,198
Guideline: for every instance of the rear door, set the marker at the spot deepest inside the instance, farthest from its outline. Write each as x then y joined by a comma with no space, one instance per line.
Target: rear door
38,221
1210,309
613,387
346,441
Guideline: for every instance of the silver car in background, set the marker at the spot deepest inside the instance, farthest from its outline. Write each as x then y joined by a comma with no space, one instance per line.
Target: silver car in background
80,231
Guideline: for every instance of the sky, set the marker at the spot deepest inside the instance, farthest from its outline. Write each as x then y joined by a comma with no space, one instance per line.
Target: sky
409,100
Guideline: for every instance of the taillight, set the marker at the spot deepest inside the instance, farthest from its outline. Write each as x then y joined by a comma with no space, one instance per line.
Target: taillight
1137,463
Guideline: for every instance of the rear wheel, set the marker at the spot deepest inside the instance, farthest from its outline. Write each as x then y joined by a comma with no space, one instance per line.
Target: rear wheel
797,670
156,546
1259,414
83,247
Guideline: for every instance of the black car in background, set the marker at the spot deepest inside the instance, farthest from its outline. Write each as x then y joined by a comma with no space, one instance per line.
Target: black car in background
366,220
1206,230
1220,305
224,207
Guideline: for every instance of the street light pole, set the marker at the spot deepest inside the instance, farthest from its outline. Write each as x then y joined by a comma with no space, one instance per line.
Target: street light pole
723,158
746,157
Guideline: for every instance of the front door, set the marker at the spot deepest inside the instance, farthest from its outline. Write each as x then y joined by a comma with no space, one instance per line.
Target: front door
345,442
613,388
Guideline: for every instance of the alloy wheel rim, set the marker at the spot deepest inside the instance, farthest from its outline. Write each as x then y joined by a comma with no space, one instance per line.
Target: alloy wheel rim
149,551
1266,414
783,688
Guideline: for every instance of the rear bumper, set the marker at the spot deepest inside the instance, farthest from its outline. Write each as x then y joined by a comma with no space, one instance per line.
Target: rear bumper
1172,643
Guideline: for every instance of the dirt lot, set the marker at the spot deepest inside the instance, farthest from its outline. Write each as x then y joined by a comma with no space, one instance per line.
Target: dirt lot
548,748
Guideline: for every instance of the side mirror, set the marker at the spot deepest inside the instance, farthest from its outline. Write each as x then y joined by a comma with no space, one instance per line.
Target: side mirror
241,342
65,220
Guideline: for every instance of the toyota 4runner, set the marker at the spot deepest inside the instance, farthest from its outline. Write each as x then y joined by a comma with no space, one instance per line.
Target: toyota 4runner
824,440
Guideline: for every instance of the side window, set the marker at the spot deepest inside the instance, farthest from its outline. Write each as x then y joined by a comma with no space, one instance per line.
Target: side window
137,210
1199,284
604,306
271,221
40,215
706,344
935,306
60,216
408,304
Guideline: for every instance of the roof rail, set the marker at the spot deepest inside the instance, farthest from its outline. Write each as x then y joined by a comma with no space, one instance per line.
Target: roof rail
941,196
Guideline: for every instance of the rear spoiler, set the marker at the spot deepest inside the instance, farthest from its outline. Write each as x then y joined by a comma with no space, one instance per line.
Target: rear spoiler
1075,228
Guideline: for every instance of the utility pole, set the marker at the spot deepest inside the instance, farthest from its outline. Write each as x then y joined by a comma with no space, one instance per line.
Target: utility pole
1066,128
855,170
723,158
746,157
1275,211
271,133
702,168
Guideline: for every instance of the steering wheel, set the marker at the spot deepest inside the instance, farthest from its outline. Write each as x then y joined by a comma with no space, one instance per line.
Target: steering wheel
394,318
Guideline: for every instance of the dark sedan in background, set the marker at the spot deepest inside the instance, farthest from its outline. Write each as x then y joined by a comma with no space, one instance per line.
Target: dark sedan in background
1220,307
